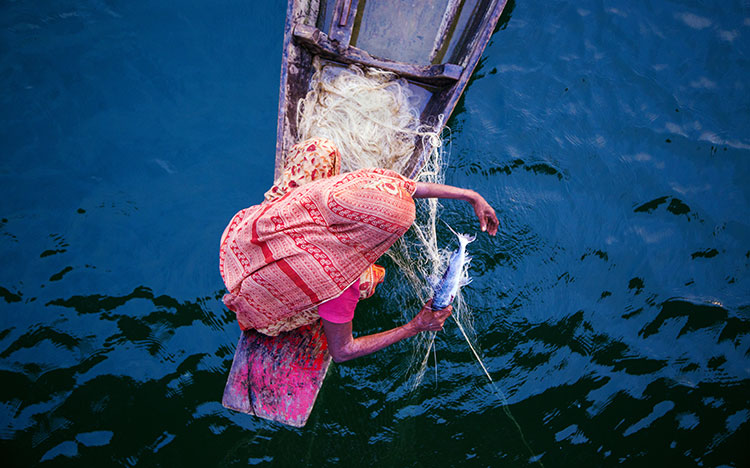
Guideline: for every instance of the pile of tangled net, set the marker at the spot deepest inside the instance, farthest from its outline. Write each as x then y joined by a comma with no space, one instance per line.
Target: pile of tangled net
368,114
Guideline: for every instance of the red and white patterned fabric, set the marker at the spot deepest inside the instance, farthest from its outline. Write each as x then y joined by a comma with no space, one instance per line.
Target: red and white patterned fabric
283,257
368,280
313,159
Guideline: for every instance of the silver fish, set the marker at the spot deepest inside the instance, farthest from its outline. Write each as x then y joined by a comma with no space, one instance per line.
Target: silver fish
455,276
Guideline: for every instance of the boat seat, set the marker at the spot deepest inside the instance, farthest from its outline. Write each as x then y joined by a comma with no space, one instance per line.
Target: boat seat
318,42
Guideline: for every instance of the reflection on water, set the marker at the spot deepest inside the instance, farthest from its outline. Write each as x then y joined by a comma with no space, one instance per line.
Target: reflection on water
108,362
612,309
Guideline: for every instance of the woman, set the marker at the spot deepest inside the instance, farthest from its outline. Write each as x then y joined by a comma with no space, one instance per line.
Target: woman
308,251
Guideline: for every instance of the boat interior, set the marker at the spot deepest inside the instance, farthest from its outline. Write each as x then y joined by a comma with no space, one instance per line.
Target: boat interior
434,45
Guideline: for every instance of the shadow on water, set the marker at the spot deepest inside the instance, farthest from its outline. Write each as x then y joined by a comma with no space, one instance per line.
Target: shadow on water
125,394
626,393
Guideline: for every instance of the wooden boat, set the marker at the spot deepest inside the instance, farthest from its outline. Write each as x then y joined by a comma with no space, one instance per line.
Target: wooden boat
435,45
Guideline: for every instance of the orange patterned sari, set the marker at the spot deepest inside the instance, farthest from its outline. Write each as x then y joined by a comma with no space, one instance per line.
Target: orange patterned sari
314,235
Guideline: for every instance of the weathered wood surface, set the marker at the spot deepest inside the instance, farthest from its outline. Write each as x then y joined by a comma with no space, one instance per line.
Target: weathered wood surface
278,378
296,71
320,44
446,25
343,21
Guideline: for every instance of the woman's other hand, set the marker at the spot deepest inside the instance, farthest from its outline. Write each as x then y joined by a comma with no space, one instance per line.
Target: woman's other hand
485,213
430,320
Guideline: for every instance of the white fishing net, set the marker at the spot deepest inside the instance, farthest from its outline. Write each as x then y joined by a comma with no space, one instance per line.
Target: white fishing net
365,112
370,116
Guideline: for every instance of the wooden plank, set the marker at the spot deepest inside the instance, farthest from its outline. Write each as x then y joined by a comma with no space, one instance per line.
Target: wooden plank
296,71
448,22
278,378
344,12
319,43
343,21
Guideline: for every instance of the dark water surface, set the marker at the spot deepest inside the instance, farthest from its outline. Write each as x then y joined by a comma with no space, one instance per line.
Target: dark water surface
613,309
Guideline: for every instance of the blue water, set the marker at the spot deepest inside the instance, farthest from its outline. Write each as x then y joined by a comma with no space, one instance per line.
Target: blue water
612,310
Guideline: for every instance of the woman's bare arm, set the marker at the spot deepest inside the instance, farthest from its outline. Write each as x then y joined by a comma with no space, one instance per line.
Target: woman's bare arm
343,346
429,190
485,213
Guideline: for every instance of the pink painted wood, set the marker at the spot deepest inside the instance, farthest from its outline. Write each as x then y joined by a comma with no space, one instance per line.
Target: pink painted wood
278,378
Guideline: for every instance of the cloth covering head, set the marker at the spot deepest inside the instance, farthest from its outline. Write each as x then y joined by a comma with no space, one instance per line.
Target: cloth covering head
307,161
310,240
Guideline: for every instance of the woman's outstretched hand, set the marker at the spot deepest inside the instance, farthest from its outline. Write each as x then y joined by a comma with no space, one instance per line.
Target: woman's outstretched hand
430,320
485,213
